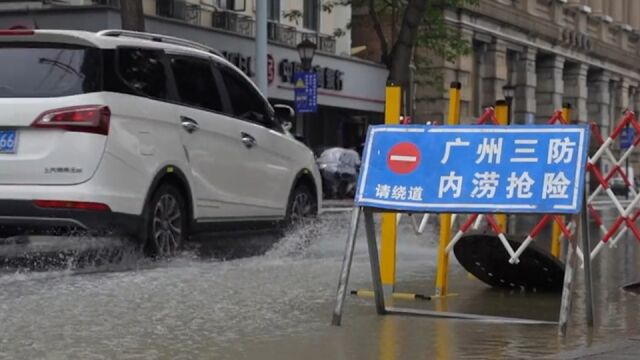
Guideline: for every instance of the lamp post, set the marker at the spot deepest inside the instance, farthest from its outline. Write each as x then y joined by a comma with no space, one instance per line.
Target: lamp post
306,51
508,91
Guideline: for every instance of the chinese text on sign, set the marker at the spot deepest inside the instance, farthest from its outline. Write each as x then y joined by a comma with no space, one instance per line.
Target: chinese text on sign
516,169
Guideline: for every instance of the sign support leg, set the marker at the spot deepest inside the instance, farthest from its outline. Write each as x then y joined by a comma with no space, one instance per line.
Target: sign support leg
567,289
370,230
586,250
346,266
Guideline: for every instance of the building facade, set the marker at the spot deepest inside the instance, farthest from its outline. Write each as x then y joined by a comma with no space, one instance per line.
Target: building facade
582,52
350,90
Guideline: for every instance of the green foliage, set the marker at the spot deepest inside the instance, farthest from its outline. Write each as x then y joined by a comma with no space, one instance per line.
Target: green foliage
293,15
435,37
328,5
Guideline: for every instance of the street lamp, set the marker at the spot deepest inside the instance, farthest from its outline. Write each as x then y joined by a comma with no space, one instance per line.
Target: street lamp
508,91
306,50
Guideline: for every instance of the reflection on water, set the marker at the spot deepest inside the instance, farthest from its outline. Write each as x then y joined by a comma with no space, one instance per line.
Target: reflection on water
247,298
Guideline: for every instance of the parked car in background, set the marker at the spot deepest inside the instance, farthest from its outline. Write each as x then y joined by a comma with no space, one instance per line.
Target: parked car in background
141,134
618,186
339,168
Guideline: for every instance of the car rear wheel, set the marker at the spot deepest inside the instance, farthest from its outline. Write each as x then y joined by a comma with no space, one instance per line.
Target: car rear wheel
166,222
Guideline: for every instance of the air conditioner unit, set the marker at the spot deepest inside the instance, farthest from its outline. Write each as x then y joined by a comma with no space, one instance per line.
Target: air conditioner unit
327,43
222,20
179,9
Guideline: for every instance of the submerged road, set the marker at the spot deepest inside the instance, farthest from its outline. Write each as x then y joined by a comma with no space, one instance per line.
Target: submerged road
255,298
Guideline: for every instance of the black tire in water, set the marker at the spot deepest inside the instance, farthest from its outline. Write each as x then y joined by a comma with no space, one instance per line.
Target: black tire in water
166,222
302,206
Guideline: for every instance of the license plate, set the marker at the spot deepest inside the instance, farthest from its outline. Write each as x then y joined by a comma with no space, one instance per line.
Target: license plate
8,141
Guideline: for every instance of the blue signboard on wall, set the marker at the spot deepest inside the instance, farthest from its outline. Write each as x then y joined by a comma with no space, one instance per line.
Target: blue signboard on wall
306,91
514,169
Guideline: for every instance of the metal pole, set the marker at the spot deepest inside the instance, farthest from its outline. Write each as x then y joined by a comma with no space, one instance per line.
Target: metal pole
389,226
626,164
442,272
567,289
346,266
586,250
502,115
378,293
261,47
556,245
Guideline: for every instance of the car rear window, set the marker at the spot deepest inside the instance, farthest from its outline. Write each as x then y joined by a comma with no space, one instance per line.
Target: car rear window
48,70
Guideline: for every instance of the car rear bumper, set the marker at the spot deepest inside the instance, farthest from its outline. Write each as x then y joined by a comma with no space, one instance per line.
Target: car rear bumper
23,217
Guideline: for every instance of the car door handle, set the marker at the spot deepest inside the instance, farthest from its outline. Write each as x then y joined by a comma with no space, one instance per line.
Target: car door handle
248,140
189,124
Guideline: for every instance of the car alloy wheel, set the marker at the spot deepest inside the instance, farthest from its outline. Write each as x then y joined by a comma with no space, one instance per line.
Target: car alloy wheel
167,223
302,205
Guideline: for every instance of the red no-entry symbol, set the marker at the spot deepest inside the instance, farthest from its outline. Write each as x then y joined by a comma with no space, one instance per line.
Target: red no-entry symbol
403,158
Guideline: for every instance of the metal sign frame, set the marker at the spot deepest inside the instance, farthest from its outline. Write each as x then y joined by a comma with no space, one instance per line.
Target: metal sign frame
379,294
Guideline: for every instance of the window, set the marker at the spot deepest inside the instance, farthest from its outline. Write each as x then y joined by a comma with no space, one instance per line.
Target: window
273,8
245,100
48,70
195,83
310,14
235,5
143,71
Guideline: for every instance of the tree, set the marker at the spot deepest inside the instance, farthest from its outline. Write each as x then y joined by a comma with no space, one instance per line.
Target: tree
132,15
401,27
422,26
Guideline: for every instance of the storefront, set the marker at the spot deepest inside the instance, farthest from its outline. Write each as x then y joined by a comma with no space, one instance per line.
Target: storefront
350,90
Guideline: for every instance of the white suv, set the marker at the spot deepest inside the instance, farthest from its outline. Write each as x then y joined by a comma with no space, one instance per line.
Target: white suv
141,134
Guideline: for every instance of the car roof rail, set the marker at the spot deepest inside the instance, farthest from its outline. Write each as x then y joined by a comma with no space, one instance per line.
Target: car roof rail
159,38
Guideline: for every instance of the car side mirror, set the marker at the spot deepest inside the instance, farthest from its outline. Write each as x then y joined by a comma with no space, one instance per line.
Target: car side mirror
285,115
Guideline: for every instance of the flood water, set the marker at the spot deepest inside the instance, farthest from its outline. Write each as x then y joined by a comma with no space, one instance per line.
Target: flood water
256,299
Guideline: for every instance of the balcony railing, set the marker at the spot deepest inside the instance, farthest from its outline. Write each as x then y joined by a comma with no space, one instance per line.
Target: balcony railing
284,34
324,42
234,22
179,9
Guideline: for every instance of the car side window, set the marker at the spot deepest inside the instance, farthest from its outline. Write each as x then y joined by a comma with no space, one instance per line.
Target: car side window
195,82
143,71
246,102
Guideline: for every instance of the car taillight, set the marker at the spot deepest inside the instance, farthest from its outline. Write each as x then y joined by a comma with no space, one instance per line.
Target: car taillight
76,205
90,119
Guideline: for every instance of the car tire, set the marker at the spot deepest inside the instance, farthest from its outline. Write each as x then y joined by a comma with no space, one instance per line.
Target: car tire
302,205
166,223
